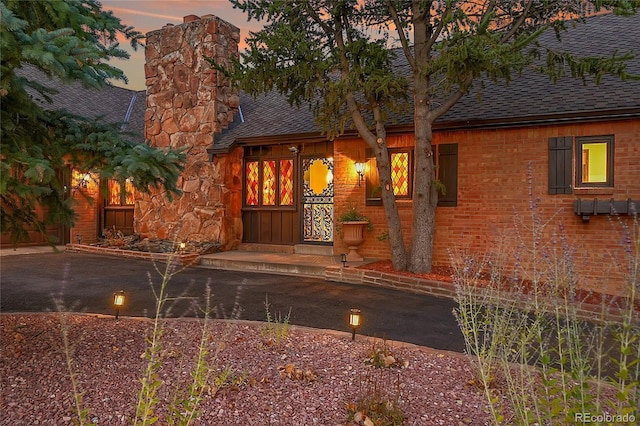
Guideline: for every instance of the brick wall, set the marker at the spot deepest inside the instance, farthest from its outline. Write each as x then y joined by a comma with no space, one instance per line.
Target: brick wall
86,204
494,182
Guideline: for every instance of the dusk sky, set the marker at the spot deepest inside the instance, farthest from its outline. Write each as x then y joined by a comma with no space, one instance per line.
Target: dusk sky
149,15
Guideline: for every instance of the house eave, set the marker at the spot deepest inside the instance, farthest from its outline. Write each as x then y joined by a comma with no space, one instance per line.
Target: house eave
541,120
281,139
482,124
266,140
213,151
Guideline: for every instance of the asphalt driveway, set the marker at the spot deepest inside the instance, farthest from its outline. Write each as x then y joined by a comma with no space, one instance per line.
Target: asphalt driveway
86,283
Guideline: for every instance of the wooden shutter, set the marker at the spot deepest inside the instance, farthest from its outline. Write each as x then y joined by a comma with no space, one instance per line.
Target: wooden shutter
560,165
448,174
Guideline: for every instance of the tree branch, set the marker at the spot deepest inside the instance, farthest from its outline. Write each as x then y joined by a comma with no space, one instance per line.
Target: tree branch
352,104
438,30
451,101
403,40
312,13
518,23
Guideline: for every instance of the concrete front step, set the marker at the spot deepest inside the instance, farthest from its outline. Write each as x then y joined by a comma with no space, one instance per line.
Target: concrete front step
270,262
266,248
313,249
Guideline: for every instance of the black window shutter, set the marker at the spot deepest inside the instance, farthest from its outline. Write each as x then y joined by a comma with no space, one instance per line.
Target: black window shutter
560,165
448,174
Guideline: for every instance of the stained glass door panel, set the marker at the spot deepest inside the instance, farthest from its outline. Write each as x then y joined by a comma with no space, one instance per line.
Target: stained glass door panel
317,191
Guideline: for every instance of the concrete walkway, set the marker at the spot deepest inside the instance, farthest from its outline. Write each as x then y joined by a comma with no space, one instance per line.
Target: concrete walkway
30,250
281,263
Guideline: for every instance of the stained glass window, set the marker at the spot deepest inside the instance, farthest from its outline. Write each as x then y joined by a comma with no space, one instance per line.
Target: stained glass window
400,177
400,173
129,198
118,197
269,183
114,193
286,182
252,183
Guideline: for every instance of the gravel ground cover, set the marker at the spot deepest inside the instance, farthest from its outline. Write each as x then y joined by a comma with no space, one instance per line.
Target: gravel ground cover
309,377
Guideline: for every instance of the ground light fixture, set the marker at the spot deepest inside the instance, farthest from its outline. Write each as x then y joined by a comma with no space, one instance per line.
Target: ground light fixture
343,259
355,319
118,301
183,245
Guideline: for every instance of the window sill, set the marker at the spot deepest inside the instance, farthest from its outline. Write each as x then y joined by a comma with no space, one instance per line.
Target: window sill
378,202
593,191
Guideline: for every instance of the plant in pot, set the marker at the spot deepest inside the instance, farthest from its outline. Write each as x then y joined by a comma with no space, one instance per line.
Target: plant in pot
353,224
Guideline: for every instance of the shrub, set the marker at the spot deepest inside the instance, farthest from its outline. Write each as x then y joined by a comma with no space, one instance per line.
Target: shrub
206,378
378,402
277,328
537,359
381,355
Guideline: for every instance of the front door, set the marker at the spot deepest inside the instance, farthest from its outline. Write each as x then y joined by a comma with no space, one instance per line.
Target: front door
317,199
288,194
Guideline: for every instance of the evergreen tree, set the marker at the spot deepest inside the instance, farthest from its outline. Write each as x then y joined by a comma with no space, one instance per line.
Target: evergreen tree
338,56
70,40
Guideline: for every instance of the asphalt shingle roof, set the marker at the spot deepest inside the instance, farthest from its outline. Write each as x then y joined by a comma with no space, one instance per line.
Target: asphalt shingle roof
110,103
533,94
272,113
529,98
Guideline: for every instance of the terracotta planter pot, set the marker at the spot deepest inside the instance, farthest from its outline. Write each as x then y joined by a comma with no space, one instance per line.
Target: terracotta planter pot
353,236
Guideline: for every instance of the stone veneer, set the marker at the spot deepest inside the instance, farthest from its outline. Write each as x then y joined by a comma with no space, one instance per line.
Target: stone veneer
187,103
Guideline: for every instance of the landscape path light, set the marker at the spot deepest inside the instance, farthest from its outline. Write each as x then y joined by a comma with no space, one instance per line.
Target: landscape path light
343,259
118,301
355,319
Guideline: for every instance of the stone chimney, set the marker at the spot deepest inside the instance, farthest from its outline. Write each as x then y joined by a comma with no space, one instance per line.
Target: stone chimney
187,102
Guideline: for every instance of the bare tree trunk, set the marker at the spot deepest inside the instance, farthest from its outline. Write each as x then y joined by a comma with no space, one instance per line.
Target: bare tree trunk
394,226
425,200
378,143
396,240
425,196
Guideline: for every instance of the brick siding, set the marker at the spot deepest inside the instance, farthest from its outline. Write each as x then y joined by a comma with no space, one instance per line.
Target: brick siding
86,204
493,183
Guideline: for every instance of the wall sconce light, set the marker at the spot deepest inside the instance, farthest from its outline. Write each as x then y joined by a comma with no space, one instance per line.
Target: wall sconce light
343,259
360,171
85,180
183,245
81,180
118,301
355,318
